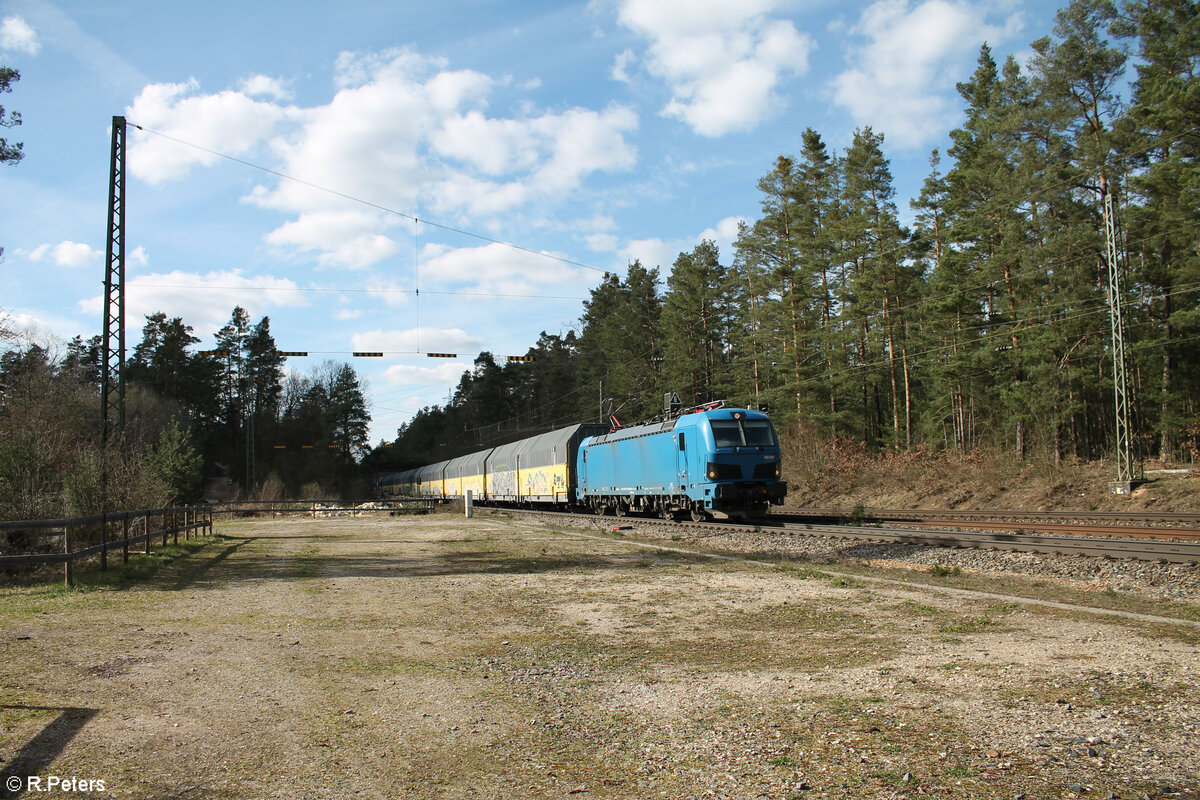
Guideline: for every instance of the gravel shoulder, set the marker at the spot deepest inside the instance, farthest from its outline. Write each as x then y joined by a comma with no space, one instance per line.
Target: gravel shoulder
436,657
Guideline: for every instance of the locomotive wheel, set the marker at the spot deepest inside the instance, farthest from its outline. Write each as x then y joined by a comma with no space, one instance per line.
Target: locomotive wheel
620,508
698,514
598,508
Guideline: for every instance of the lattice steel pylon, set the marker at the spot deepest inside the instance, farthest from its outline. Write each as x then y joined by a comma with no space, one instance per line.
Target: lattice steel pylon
112,352
1124,441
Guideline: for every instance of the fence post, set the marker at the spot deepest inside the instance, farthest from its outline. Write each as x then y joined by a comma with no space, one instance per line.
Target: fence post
166,530
103,540
210,520
147,533
125,537
175,523
68,572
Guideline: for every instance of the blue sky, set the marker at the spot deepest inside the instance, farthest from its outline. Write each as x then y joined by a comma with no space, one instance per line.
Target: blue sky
594,132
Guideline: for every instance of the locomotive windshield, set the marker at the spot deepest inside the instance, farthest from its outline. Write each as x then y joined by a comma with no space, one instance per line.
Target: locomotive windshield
743,433
759,432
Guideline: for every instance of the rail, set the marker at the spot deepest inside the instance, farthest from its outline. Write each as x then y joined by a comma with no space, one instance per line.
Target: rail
1116,518
153,523
1107,547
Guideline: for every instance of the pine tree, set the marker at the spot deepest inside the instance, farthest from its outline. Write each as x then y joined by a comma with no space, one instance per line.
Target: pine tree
9,153
819,212
1076,75
231,344
620,344
748,295
693,324
347,418
1160,137
950,311
885,286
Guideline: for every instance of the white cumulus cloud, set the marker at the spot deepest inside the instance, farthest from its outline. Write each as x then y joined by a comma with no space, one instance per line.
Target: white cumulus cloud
266,86
723,61
911,59
66,254
16,36
350,238
502,270
227,122
442,373
206,300
662,254
397,123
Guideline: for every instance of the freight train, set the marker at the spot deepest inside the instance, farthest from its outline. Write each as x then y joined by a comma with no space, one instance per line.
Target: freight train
706,462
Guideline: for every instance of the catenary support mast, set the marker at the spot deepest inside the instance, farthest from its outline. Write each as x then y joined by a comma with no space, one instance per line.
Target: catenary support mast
112,355
1124,440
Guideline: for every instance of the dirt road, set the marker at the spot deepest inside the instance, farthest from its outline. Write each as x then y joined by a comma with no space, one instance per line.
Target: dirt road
434,657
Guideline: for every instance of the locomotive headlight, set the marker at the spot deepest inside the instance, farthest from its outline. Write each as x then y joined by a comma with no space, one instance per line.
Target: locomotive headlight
778,469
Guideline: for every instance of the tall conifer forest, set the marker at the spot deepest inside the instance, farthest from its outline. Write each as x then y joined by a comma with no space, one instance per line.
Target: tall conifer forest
983,324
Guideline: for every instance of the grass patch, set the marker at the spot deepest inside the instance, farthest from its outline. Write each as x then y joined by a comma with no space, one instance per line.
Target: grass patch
142,567
172,567
308,562
970,625
801,570
410,511
922,609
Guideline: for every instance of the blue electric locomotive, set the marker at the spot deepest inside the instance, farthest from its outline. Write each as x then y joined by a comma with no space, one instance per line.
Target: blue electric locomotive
713,462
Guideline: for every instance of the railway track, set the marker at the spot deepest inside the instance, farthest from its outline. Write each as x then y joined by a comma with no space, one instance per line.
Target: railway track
1109,546
1105,522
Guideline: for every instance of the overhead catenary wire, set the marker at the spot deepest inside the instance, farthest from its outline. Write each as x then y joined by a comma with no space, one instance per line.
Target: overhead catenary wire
366,290
377,206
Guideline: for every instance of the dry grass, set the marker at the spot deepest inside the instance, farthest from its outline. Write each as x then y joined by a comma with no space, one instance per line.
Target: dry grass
431,657
841,473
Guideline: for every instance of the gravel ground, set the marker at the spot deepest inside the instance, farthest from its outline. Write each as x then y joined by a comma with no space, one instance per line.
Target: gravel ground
432,657
1154,580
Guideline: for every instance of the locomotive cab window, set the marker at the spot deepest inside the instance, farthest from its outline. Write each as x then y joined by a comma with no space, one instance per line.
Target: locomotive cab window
759,433
727,433
744,433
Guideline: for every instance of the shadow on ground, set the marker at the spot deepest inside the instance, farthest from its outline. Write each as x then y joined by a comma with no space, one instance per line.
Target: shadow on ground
40,751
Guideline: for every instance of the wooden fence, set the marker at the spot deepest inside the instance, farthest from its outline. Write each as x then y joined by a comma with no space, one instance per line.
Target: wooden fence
153,523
